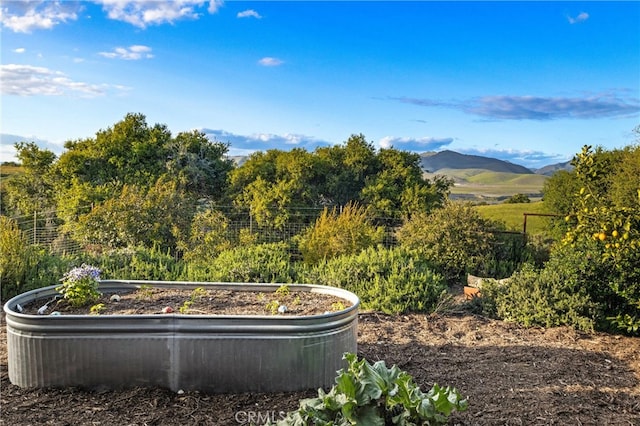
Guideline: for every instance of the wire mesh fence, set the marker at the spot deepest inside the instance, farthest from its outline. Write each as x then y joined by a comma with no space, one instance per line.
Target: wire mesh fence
46,230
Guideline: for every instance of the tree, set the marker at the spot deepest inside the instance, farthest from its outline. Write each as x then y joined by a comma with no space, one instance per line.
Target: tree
518,198
274,184
199,165
138,216
398,189
456,238
209,235
32,190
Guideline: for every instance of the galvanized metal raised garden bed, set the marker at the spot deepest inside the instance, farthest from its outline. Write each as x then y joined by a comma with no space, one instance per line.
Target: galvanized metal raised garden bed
211,353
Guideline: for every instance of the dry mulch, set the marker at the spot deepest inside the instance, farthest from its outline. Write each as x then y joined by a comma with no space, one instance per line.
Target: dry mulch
511,376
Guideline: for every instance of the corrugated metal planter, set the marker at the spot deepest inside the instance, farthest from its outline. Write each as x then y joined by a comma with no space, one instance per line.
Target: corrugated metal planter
211,353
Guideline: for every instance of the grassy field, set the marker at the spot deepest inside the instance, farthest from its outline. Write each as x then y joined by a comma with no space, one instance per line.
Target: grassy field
513,216
6,171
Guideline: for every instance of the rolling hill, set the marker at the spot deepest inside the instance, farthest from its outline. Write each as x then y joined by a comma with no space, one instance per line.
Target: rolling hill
433,162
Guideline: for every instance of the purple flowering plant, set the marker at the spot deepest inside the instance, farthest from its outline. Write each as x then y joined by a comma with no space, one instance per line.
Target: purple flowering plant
80,285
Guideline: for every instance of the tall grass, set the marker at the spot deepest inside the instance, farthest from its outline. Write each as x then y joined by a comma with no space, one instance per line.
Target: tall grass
513,216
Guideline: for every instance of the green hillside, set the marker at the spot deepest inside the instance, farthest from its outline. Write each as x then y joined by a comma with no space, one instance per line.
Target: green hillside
488,186
501,178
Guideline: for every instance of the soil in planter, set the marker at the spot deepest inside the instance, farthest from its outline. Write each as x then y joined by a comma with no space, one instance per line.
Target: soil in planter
153,300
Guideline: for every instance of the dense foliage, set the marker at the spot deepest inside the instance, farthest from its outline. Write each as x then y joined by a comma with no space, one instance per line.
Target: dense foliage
145,204
593,276
348,232
392,280
457,240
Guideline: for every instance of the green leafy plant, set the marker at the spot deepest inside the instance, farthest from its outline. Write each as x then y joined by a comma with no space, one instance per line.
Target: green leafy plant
80,285
97,309
196,294
337,306
283,290
272,306
374,395
144,292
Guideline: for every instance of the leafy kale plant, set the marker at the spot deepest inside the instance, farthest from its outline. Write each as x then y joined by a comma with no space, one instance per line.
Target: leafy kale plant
375,395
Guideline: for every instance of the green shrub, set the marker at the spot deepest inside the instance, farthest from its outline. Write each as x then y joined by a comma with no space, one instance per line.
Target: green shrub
456,239
209,236
517,199
335,234
389,280
138,263
605,225
549,297
23,266
264,263
375,395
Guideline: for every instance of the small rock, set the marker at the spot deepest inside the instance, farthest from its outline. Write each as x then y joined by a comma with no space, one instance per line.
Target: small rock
55,313
180,392
167,310
115,298
282,309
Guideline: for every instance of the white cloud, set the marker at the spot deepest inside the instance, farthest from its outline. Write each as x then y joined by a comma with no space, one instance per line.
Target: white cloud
20,50
249,13
528,158
8,151
270,62
142,13
130,53
414,144
542,108
27,80
244,144
26,16
582,16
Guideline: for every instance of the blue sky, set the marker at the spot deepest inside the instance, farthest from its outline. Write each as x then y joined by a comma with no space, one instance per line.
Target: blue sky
528,82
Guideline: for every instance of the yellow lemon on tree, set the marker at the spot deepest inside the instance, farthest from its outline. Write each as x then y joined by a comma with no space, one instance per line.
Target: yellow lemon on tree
602,236
614,234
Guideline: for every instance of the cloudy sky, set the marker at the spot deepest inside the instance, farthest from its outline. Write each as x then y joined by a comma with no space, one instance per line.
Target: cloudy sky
529,82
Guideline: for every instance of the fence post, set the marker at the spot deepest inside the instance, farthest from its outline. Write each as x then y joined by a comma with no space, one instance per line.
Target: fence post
35,227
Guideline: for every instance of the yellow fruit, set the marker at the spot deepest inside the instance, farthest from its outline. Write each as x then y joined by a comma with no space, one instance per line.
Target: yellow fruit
602,236
614,234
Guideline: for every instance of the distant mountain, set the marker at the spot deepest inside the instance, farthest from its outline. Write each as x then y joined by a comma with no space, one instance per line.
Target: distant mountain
552,168
434,161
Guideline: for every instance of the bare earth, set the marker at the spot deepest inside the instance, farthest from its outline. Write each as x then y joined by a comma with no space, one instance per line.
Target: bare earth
511,376
153,301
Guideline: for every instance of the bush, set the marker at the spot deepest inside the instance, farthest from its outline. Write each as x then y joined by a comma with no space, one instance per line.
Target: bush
138,263
23,266
261,263
456,239
375,395
517,199
336,234
209,236
389,280
608,229
549,297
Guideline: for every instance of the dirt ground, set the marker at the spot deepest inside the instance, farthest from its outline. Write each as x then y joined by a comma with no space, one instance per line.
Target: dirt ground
205,302
511,376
